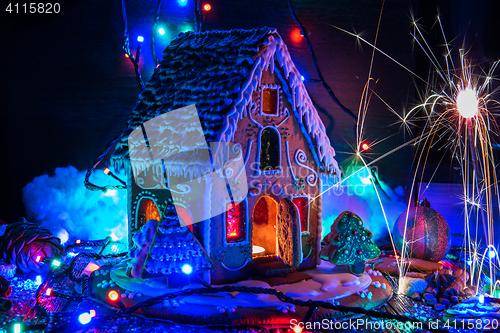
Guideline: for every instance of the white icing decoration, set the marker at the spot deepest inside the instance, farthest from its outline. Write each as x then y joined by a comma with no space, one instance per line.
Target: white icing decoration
300,158
183,189
286,118
252,284
251,296
228,171
247,156
252,120
310,289
288,160
303,293
247,260
351,282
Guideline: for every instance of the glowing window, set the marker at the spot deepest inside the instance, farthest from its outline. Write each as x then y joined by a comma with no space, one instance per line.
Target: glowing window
269,150
147,211
270,101
236,222
302,204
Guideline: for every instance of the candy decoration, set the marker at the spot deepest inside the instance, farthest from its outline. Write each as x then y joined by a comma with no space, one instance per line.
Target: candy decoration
427,233
299,184
349,243
24,241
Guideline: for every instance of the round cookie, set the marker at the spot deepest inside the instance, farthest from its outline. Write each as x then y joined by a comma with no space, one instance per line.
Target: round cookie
389,265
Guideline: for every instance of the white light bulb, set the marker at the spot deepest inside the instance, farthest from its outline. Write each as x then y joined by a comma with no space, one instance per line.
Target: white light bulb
467,103
187,269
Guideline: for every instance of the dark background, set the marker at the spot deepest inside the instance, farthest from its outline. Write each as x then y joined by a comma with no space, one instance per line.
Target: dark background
67,88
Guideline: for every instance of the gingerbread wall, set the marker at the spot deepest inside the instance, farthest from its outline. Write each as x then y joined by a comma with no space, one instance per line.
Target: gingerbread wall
234,260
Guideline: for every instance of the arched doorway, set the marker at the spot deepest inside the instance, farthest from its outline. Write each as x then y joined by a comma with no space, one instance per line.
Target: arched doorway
264,227
269,158
147,211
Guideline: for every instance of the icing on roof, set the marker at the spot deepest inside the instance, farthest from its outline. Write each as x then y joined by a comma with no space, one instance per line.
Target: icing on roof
217,71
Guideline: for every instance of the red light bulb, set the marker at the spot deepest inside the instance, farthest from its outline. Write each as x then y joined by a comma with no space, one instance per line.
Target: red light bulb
113,295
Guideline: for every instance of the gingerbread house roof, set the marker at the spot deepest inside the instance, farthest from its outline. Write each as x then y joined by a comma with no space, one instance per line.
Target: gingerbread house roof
217,71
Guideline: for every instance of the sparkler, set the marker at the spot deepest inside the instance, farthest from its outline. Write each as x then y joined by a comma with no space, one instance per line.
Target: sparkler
456,105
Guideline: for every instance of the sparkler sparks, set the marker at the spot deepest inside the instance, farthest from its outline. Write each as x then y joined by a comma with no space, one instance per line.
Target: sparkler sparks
457,116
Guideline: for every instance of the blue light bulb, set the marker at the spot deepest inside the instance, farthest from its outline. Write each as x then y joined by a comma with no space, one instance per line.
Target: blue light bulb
182,2
84,318
140,39
161,31
187,269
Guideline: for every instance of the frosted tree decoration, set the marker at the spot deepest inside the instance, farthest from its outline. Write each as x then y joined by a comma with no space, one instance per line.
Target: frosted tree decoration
165,248
349,243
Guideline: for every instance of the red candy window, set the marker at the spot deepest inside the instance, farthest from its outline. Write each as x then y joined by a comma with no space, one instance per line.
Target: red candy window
235,222
302,204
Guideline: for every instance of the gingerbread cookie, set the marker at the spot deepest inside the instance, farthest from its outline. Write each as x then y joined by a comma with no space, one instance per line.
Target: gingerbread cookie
389,265
335,285
349,243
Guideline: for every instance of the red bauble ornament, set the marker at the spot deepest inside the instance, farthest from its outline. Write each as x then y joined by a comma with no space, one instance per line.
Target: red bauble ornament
427,233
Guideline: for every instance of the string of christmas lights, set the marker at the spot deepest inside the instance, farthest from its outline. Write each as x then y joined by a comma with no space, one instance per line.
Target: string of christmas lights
126,47
97,243
153,32
73,271
94,187
198,16
86,283
199,19
312,305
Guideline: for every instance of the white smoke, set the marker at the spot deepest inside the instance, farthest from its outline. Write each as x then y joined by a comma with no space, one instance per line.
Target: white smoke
357,194
62,204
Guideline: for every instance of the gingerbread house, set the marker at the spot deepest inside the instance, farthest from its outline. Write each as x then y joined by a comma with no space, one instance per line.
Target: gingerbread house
246,186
